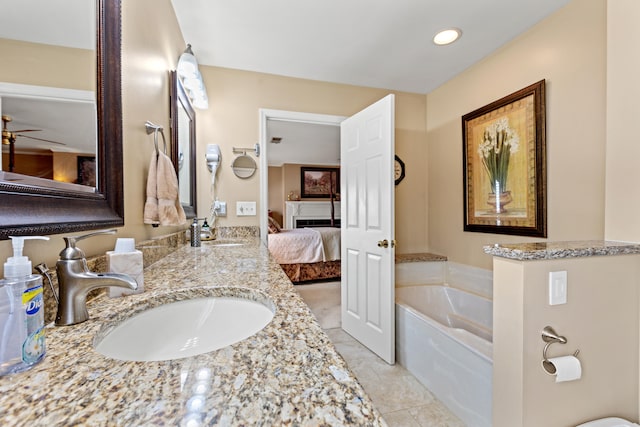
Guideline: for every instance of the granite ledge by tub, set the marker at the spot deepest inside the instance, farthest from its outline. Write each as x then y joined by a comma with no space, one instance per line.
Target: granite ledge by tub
419,257
287,374
556,250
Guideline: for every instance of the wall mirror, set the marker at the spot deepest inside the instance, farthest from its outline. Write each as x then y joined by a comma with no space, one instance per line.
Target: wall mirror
244,166
183,144
37,205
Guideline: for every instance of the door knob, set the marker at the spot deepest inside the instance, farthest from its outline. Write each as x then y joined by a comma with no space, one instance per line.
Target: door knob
383,243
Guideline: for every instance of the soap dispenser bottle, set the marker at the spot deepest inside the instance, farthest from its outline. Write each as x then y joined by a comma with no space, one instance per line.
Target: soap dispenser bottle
22,342
205,231
195,233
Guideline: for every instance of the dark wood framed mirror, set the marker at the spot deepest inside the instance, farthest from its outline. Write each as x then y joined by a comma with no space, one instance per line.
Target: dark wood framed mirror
183,144
38,206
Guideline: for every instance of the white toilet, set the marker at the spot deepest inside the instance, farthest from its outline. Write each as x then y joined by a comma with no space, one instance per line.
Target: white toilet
609,422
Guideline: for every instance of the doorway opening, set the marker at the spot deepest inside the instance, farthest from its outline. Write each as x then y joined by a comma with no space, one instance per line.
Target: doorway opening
295,119
367,242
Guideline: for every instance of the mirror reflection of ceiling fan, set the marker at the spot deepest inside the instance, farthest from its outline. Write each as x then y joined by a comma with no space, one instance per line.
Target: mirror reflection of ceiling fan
9,138
8,135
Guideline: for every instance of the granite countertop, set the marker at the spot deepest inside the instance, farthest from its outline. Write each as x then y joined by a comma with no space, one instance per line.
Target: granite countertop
555,250
289,373
419,257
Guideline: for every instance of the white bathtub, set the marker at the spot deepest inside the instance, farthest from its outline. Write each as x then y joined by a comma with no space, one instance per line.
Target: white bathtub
443,337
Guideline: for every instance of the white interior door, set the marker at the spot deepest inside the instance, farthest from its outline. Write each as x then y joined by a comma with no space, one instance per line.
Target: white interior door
367,211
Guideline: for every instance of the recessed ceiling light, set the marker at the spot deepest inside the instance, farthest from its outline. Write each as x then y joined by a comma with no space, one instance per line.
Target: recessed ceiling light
447,36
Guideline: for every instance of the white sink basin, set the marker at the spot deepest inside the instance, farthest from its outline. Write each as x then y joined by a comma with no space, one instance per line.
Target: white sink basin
185,328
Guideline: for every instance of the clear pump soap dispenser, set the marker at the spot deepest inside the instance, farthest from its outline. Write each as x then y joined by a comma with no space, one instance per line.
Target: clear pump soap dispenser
22,343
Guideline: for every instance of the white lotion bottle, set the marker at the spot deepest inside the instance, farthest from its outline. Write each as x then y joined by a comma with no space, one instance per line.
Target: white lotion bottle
22,337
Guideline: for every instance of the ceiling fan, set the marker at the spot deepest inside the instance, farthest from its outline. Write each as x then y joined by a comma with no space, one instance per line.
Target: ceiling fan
9,138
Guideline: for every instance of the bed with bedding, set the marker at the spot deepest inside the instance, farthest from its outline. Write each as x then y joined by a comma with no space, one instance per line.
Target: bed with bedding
307,254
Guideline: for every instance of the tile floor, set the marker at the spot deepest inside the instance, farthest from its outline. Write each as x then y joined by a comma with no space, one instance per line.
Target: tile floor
400,398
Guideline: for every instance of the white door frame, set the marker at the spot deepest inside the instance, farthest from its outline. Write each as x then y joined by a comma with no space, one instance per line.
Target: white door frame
290,116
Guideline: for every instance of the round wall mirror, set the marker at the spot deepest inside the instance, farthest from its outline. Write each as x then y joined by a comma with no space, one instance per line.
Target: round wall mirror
244,166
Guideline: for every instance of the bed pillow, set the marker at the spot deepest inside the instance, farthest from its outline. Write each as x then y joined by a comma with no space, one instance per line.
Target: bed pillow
273,226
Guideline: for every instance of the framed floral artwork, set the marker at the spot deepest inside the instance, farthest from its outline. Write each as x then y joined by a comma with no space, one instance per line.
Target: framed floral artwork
319,182
504,165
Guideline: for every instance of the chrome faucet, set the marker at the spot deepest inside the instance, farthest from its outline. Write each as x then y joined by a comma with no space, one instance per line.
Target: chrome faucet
75,281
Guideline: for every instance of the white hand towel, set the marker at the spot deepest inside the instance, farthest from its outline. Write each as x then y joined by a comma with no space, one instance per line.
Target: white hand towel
170,211
151,204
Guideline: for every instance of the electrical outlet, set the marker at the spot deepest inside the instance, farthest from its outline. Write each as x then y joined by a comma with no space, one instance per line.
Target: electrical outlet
220,208
557,287
246,208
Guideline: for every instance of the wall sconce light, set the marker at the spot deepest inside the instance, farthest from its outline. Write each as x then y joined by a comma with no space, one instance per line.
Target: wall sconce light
192,79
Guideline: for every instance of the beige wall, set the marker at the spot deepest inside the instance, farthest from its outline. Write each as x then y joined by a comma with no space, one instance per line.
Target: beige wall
276,193
601,316
583,53
150,48
235,98
600,319
47,65
65,166
623,147
568,50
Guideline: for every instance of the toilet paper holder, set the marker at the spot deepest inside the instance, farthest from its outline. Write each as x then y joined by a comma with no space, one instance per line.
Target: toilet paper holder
550,336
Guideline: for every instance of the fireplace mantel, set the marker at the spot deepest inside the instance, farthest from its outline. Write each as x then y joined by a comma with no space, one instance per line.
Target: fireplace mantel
308,210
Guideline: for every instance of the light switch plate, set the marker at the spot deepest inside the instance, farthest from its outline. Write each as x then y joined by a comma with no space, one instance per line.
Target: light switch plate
220,208
245,208
557,287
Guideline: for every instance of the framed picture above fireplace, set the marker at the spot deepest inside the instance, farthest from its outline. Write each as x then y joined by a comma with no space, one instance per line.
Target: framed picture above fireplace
320,183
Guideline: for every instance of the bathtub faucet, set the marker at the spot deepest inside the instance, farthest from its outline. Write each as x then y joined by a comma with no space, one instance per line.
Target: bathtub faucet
75,281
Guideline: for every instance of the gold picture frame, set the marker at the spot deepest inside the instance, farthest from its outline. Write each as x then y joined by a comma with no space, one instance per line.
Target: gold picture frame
504,165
